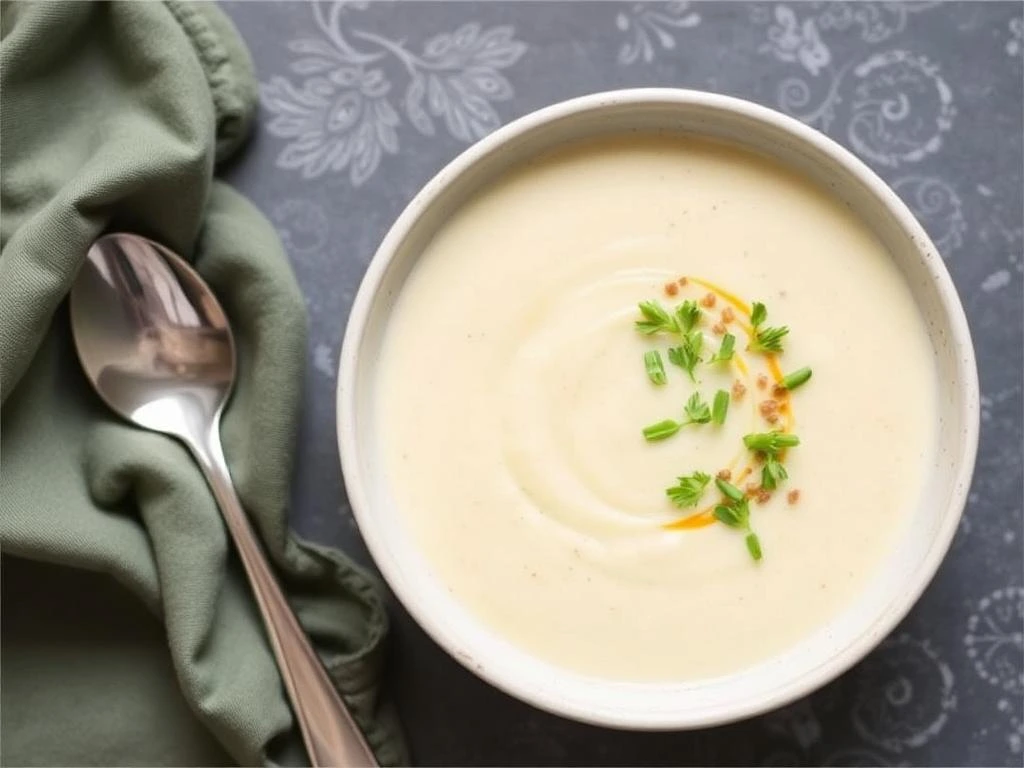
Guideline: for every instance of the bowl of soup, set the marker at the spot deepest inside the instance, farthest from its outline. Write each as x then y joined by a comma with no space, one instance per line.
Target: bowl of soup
657,409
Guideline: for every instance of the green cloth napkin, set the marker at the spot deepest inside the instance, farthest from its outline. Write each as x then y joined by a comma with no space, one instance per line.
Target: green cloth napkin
129,634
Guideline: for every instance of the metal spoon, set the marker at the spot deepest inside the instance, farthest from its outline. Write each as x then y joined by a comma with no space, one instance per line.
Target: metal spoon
157,347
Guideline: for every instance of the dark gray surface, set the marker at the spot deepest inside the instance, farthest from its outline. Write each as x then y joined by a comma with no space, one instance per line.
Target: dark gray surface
928,94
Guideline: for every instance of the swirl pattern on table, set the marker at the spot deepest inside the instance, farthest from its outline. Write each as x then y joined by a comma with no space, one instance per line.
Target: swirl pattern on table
906,695
938,207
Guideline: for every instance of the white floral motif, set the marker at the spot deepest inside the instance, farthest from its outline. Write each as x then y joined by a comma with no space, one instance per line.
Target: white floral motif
901,108
1015,45
877,21
905,697
650,23
792,41
995,639
302,225
898,110
938,207
342,115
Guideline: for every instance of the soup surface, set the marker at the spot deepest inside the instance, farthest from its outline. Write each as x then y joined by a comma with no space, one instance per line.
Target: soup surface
512,393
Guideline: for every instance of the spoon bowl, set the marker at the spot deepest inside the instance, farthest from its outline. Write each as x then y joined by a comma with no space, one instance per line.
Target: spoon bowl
151,336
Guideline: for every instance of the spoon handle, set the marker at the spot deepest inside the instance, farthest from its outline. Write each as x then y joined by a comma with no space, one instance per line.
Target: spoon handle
330,734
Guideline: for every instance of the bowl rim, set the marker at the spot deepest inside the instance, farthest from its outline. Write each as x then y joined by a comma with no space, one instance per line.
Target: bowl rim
349,451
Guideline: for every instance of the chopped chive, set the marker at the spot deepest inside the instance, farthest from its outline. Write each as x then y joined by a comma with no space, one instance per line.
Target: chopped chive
720,407
727,515
654,366
770,442
754,545
795,379
661,430
729,490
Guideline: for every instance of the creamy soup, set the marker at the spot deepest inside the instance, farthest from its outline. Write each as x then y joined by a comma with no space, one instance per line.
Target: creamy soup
512,393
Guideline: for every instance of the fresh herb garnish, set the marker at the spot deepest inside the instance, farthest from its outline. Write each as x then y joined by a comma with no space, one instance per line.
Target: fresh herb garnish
682,325
661,430
735,513
688,491
728,515
795,379
768,340
765,339
687,355
758,314
772,473
724,352
720,407
697,410
754,545
729,490
655,319
770,442
688,316
654,366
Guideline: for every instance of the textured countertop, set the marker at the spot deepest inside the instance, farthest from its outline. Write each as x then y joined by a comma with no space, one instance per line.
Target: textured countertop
928,94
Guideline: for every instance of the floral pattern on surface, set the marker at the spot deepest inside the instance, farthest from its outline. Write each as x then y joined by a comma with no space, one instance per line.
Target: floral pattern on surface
650,25
796,41
995,639
938,207
799,36
893,106
343,115
876,22
906,695
900,108
360,95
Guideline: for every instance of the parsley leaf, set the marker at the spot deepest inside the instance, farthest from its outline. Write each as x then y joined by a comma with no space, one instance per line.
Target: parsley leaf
697,410
687,355
688,315
688,491
655,319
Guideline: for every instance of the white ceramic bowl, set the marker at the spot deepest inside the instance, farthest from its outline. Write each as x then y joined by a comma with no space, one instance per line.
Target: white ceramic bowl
818,658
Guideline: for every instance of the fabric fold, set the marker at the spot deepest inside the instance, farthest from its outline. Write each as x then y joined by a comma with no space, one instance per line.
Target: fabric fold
112,117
